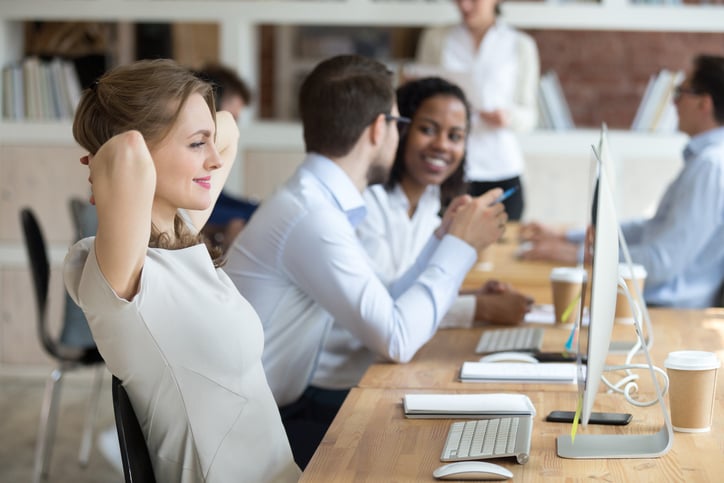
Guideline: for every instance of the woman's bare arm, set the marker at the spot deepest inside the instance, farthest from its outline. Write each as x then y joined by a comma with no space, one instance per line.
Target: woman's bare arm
123,179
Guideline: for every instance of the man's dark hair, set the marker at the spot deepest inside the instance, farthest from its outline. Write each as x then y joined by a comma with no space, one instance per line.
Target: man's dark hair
410,97
339,99
708,78
226,82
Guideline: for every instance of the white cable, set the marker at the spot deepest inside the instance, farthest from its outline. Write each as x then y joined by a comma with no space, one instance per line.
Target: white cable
629,383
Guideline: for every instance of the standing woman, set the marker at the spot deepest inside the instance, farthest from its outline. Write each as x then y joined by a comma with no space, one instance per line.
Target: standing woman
168,322
504,70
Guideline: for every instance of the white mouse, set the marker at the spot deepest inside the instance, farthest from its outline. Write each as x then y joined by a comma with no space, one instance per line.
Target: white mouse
472,470
509,357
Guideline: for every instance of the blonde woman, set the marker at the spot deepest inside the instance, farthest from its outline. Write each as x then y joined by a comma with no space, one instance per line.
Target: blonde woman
168,322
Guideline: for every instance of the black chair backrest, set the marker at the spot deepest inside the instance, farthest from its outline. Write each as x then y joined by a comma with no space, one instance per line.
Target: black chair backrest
40,269
137,466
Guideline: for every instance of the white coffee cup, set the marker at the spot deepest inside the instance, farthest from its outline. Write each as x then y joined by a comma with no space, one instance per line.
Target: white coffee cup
623,309
692,389
566,283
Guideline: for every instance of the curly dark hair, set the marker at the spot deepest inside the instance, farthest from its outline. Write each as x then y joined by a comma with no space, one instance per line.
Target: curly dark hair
410,97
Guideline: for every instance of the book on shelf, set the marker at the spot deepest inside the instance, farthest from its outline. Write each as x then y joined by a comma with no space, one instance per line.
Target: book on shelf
656,112
40,90
553,109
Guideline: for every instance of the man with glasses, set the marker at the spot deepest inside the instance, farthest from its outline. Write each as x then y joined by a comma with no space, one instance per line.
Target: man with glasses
682,246
301,266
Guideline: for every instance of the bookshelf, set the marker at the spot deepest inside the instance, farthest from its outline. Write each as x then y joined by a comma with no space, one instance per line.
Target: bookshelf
32,152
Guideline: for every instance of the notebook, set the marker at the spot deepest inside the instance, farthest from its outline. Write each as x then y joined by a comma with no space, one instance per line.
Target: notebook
476,406
560,372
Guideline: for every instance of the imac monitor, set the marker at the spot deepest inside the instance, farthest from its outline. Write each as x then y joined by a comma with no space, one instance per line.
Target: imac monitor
595,342
604,287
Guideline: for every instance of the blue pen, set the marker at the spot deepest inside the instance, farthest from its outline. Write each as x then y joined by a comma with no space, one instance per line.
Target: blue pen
507,194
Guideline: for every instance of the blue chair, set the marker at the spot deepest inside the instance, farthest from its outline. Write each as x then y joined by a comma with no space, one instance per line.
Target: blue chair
71,350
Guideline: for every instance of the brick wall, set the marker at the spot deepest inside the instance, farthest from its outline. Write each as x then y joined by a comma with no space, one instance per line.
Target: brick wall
604,73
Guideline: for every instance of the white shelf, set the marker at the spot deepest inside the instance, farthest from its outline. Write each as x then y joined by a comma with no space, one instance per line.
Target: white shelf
57,133
609,15
664,18
288,136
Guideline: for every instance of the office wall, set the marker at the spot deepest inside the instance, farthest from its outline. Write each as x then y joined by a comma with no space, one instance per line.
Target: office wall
604,73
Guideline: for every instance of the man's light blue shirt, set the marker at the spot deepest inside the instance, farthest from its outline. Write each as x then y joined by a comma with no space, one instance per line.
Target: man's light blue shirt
682,245
301,266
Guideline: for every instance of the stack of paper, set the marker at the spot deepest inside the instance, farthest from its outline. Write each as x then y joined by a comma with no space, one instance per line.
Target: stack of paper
561,372
477,406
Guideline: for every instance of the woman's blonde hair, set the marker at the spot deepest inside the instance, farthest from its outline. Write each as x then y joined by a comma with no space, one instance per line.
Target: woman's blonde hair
146,96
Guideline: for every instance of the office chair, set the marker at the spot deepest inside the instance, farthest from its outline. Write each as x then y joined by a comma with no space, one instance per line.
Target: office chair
68,356
137,466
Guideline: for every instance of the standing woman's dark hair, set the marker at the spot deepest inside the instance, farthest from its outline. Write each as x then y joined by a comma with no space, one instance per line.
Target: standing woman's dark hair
410,97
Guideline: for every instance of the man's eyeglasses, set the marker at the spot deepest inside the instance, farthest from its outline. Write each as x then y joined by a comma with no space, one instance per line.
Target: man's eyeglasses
400,120
681,90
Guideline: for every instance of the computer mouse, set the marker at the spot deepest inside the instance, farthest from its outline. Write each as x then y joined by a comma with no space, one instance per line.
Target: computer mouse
509,357
472,470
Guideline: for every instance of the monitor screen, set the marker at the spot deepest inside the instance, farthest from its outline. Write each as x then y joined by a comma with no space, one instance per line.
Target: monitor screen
594,342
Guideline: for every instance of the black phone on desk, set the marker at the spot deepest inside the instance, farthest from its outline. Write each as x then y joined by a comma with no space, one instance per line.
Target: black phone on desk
614,419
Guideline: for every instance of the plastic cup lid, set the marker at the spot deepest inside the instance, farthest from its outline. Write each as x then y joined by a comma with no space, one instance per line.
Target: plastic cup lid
624,270
568,274
692,360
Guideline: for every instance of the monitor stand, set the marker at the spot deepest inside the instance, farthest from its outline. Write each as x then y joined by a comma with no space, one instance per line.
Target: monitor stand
623,446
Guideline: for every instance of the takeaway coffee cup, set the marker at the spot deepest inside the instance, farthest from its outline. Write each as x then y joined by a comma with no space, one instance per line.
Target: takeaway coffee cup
566,283
623,309
692,386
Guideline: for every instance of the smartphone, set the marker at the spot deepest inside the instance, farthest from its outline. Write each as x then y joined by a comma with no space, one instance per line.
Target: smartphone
616,419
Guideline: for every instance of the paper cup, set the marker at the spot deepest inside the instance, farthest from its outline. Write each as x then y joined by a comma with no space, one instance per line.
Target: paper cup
692,388
623,309
566,287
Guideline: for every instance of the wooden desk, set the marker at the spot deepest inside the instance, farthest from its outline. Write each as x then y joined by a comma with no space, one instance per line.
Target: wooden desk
499,262
372,441
437,364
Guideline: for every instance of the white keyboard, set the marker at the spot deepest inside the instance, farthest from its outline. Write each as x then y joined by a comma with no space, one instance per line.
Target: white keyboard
518,339
489,438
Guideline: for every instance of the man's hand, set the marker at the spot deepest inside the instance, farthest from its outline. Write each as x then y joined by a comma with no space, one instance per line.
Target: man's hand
481,221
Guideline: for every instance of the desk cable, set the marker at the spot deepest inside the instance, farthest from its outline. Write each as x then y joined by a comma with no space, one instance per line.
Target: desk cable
627,384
